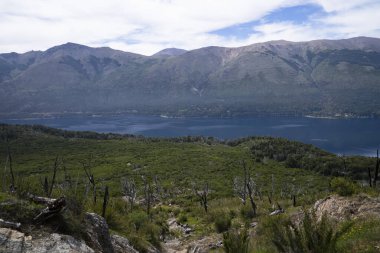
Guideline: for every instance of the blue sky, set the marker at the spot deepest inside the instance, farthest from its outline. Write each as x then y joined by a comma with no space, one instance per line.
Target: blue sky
299,14
147,26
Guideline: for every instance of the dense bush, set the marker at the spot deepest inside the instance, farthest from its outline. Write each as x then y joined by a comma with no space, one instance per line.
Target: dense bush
246,212
222,223
312,235
137,219
343,186
182,218
236,241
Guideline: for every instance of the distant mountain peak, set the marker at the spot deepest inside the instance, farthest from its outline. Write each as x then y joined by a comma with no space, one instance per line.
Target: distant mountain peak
69,46
169,52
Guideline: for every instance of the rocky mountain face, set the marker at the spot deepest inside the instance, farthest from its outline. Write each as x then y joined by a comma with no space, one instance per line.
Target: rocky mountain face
323,77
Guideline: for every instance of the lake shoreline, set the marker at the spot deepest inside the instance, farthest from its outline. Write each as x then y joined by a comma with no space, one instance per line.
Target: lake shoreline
349,136
42,115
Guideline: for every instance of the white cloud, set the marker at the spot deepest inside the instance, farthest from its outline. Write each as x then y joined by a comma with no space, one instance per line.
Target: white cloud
146,26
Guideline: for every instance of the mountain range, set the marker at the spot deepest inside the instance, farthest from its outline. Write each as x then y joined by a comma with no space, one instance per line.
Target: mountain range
320,78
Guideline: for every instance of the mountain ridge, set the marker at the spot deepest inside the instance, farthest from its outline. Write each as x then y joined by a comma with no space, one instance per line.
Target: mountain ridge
321,77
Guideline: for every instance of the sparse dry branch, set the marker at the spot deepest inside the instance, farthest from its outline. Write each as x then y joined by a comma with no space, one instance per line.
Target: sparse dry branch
203,196
130,192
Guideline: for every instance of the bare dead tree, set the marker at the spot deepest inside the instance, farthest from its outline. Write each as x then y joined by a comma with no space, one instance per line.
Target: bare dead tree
294,191
4,174
157,187
240,185
148,193
46,186
344,165
240,189
251,186
130,192
67,177
105,201
376,176
369,177
90,177
12,185
202,195
55,168
271,193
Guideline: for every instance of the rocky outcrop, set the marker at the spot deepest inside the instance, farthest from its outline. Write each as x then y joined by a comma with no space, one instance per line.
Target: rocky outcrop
98,236
12,241
340,208
121,245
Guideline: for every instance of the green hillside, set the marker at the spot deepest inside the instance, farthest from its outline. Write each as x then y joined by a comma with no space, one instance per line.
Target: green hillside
281,170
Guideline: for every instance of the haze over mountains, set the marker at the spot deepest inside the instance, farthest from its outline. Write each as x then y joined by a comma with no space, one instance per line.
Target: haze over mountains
323,77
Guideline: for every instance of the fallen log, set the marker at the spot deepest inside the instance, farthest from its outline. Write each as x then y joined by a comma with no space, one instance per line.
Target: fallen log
279,210
9,224
51,210
276,212
40,200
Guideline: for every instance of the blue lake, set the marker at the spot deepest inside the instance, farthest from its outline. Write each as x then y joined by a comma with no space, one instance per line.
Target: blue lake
341,136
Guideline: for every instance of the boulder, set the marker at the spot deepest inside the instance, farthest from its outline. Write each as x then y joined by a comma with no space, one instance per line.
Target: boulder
57,243
340,208
12,241
121,245
97,234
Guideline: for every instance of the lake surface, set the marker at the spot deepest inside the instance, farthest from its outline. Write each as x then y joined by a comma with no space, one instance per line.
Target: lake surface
341,136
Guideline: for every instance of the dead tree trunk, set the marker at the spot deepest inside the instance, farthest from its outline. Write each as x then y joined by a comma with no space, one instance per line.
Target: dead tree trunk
202,195
4,174
269,199
271,193
91,179
105,202
240,185
250,188
148,193
53,178
344,165
46,186
129,190
376,176
369,177
12,185
294,200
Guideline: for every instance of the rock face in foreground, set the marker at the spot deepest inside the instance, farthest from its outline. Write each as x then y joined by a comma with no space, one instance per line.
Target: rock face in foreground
341,208
12,241
97,236
97,233
121,245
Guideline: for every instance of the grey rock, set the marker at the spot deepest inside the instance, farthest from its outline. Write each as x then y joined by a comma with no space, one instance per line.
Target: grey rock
341,208
12,241
121,245
98,237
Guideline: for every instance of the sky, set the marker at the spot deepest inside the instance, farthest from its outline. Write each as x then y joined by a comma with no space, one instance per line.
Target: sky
148,26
